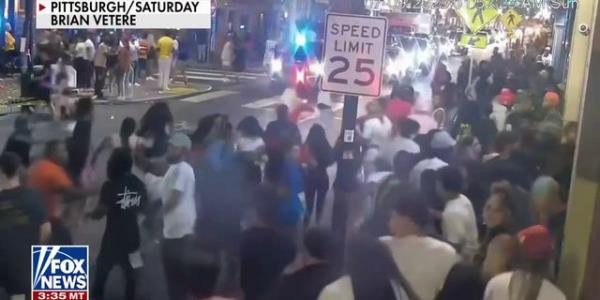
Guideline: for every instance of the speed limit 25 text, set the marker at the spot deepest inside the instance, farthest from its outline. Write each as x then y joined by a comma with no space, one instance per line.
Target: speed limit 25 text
348,35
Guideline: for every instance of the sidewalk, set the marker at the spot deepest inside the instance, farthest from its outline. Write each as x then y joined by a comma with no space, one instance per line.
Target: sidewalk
10,96
256,67
149,92
11,101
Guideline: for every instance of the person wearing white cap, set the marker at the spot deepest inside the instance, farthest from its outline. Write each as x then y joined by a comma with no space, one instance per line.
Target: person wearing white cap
177,191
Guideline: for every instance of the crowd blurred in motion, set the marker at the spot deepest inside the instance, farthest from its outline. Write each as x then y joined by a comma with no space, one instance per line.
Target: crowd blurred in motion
462,196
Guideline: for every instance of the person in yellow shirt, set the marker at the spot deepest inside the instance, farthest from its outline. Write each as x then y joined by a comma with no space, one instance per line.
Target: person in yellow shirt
10,47
10,43
165,47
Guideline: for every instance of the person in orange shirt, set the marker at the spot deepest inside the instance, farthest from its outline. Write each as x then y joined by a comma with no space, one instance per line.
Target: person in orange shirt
49,176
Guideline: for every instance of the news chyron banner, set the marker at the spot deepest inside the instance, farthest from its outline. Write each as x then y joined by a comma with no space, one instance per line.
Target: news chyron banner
123,14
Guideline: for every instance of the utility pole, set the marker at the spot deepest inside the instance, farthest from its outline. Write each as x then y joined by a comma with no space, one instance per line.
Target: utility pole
28,31
11,15
342,202
2,29
27,38
350,102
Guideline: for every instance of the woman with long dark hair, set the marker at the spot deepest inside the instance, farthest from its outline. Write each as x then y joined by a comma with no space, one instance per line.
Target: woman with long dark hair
250,135
125,138
316,156
371,274
155,128
497,250
531,280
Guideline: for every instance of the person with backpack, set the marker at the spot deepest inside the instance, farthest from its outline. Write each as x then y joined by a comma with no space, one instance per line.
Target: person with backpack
364,255
425,261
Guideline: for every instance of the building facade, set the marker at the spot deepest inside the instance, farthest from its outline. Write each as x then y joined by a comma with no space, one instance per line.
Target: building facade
252,21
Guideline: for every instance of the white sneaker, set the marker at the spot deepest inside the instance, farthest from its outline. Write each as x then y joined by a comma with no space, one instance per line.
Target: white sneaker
137,84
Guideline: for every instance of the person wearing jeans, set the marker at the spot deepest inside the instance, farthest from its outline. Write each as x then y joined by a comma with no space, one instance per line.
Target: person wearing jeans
316,155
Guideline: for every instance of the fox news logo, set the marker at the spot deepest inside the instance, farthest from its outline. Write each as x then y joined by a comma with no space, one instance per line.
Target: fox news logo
59,273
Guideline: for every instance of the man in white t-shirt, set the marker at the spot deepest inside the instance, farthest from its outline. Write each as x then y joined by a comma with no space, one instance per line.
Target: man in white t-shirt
79,61
177,191
424,261
441,144
89,54
459,225
377,128
402,141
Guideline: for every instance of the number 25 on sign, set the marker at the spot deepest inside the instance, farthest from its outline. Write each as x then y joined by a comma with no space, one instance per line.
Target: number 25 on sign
353,54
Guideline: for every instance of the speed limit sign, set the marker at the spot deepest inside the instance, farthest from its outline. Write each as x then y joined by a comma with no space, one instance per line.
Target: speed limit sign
353,54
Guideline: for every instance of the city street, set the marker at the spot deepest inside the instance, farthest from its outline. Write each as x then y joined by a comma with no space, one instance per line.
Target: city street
469,172
237,95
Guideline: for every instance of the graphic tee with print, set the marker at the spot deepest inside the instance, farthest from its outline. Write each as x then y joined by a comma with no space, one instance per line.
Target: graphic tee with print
123,199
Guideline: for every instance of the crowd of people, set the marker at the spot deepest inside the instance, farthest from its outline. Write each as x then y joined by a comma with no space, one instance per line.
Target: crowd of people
463,200
113,61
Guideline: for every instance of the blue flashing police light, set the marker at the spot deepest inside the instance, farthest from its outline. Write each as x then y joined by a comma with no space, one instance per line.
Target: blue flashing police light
300,39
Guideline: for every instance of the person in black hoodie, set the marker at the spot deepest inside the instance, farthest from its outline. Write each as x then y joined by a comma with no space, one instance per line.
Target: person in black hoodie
123,195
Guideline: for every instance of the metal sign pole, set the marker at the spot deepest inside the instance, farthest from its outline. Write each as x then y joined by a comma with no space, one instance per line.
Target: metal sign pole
342,79
350,110
349,115
470,68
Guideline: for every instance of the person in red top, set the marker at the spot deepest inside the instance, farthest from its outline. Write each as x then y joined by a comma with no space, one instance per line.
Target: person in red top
401,102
